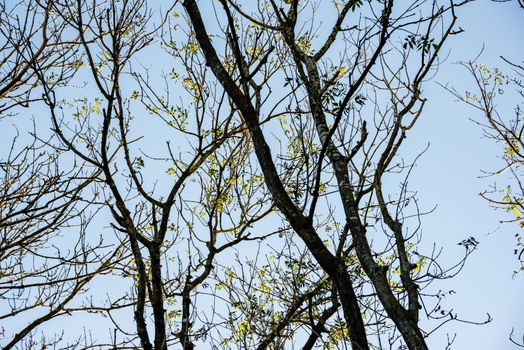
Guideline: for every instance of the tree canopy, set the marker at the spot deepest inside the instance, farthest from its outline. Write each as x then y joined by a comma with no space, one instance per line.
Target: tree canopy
232,174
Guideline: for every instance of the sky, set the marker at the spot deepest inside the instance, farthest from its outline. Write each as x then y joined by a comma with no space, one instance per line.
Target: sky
448,176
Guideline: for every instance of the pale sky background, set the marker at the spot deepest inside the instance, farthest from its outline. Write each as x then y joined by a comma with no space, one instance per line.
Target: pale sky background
447,176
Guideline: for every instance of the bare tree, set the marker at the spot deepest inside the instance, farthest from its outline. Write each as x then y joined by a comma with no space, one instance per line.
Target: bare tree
30,34
173,222
503,126
261,124
42,205
373,81
41,192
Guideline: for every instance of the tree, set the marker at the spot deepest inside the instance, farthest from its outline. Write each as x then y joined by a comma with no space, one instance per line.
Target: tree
41,196
503,126
206,207
29,34
331,95
173,229
41,205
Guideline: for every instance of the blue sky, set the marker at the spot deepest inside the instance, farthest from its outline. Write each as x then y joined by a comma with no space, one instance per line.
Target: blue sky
448,176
